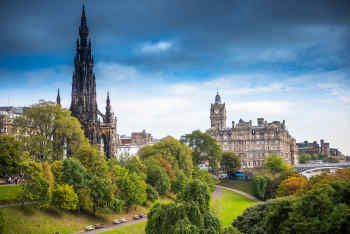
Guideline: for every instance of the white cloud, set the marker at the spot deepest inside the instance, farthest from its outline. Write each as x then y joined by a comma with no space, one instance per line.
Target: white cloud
160,46
141,101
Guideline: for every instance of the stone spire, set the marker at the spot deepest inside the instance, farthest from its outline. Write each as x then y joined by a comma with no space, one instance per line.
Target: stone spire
58,99
109,114
83,29
217,97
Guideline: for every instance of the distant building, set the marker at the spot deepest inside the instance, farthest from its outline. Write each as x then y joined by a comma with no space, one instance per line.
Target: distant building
130,145
251,143
7,116
141,138
314,148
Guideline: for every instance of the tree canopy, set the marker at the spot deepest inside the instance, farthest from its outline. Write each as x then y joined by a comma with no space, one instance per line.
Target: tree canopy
49,131
204,148
230,162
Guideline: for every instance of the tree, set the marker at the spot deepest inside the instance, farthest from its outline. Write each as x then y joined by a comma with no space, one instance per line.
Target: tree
36,187
197,192
181,217
178,185
73,173
173,151
157,177
132,190
134,164
230,162
260,184
57,171
304,158
64,197
99,180
204,148
11,155
205,177
152,194
291,186
275,164
46,129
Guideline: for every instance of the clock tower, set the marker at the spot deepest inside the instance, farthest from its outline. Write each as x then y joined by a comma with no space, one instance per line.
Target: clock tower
218,113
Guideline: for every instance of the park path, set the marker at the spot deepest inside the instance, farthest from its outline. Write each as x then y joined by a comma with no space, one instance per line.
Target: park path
216,194
240,192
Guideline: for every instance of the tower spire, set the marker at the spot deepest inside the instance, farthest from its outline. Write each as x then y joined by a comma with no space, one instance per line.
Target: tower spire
83,29
58,99
109,114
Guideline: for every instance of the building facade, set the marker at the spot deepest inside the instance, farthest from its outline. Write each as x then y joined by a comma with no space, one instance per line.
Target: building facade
314,148
99,128
7,116
252,143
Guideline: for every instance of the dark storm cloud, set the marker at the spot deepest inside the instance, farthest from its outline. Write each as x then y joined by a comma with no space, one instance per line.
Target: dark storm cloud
201,27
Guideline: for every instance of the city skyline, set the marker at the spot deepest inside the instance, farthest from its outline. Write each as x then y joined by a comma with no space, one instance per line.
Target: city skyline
163,75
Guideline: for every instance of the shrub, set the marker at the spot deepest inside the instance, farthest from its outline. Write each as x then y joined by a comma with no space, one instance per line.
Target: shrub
64,197
152,194
260,184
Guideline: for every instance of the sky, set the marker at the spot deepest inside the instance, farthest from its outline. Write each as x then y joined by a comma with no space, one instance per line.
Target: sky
163,61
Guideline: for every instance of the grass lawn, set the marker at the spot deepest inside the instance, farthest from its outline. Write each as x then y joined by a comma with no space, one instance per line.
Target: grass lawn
138,228
9,192
245,186
33,220
230,205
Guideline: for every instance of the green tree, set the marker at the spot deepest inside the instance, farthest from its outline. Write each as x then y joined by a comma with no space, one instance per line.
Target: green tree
230,162
276,164
99,177
178,185
152,194
204,148
157,177
205,177
197,192
260,184
45,129
181,217
304,158
173,151
57,171
11,155
37,186
64,197
74,173
134,164
132,190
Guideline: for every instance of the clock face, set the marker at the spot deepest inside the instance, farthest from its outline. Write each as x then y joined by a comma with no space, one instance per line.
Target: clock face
216,111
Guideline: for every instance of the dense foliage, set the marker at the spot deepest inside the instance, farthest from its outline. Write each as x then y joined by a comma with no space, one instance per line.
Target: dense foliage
189,214
177,154
260,184
11,155
204,148
323,203
47,131
230,163
64,197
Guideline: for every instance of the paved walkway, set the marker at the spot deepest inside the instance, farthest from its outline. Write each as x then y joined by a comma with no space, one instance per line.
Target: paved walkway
240,192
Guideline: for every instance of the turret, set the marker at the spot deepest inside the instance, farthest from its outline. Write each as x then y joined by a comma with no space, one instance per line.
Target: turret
109,114
58,99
